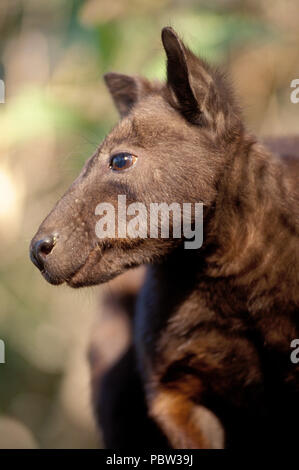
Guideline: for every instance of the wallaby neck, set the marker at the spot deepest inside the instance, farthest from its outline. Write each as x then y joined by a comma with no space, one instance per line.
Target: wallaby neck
250,234
253,230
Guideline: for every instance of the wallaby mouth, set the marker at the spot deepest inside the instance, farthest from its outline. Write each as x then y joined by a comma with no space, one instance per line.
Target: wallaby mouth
65,259
44,260
78,278
58,258
52,280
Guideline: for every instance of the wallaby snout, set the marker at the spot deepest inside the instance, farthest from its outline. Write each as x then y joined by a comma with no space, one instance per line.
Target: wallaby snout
40,249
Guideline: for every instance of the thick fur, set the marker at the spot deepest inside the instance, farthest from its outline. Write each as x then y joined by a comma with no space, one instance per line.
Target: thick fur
212,327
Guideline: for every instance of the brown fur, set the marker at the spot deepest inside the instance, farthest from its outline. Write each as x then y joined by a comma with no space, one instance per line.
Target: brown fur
213,326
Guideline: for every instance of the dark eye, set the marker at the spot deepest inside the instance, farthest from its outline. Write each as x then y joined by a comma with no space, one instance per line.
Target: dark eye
122,161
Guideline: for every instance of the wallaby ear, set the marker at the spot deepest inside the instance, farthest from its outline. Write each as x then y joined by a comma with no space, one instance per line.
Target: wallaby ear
178,77
199,94
126,90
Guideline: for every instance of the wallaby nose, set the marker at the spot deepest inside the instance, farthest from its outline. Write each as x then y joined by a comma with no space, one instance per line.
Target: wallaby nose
40,249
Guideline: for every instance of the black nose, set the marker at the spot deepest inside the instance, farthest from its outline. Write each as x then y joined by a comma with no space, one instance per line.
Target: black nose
40,249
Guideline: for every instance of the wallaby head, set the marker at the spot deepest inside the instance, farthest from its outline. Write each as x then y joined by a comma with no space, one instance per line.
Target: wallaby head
172,144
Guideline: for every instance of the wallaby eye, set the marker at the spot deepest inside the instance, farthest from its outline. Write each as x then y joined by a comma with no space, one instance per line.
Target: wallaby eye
122,161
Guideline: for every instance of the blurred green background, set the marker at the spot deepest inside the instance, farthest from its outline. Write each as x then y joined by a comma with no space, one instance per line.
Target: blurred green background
52,57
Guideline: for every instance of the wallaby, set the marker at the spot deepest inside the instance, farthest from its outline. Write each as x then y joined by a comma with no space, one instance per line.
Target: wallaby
210,362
